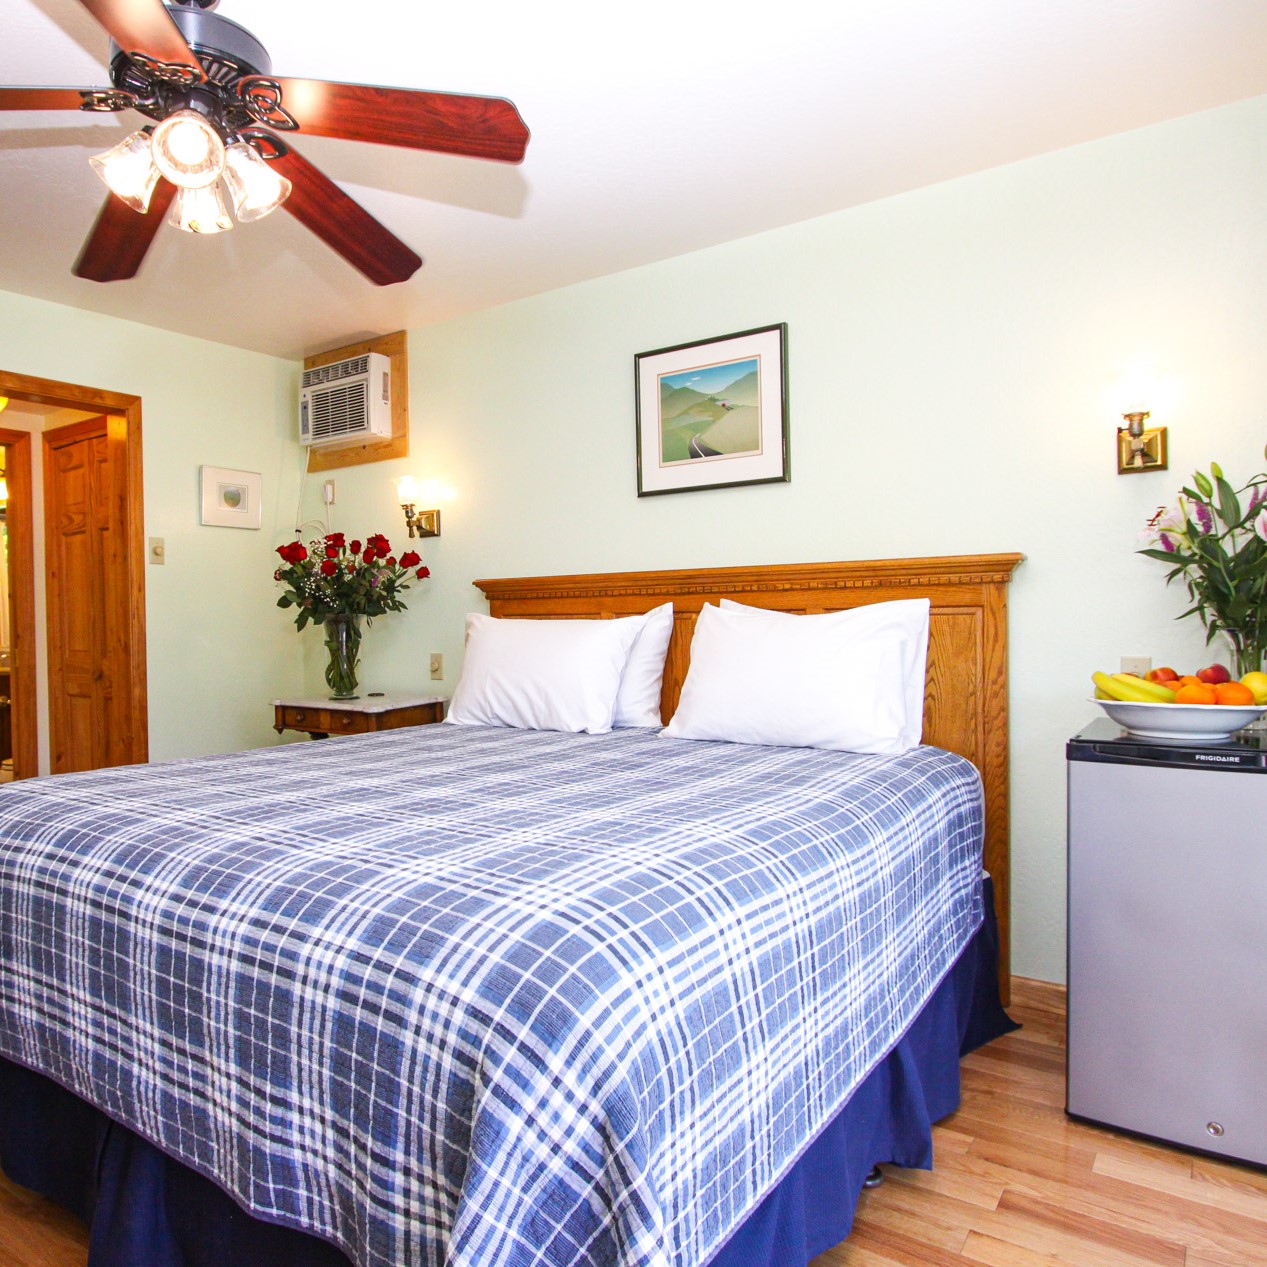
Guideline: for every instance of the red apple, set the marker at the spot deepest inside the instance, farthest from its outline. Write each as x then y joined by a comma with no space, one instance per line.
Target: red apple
1214,674
1162,675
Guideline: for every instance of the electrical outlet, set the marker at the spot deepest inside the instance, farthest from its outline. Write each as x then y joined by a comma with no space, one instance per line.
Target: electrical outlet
1137,664
327,492
437,666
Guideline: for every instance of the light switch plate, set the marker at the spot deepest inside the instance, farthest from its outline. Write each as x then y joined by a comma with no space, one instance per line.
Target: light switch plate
437,666
1137,664
157,552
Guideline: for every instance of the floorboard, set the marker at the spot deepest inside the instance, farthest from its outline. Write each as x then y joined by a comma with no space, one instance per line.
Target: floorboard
1016,1184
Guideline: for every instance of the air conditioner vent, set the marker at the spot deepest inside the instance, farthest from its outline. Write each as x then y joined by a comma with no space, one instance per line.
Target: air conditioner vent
346,400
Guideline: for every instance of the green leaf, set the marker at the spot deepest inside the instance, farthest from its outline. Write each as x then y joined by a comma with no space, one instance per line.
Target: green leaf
285,601
1229,506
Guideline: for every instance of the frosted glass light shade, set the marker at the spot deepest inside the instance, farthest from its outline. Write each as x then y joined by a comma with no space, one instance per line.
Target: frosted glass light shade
188,150
128,170
200,211
255,187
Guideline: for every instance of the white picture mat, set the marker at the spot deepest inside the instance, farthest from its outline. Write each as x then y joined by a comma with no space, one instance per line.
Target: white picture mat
770,463
230,499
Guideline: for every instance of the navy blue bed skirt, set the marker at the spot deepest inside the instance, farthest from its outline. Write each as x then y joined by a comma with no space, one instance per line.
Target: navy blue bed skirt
144,1209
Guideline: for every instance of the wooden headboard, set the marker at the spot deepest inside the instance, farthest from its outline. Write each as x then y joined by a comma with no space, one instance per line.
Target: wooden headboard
965,697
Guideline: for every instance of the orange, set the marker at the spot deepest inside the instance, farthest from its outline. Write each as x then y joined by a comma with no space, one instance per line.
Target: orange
1189,679
1197,693
1233,693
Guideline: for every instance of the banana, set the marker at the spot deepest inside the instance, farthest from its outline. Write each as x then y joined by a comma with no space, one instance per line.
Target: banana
1132,690
1152,692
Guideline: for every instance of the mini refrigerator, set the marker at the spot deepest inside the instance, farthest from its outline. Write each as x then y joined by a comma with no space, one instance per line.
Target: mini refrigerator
1167,1022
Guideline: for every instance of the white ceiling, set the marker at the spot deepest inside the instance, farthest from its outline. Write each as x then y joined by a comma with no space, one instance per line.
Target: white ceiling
657,128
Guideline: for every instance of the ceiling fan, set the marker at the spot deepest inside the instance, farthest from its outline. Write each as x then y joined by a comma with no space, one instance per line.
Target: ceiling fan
208,85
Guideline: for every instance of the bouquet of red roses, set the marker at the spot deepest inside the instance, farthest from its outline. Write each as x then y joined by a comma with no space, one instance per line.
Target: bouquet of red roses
336,577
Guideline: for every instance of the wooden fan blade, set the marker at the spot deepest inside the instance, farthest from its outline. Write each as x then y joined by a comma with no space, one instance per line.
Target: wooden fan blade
145,26
117,244
479,127
343,224
44,98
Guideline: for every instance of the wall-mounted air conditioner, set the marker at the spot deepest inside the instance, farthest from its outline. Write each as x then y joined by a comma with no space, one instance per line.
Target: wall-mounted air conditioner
346,400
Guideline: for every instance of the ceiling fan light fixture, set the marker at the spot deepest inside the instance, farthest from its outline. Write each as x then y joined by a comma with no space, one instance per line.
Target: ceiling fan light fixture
188,150
128,170
256,188
200,210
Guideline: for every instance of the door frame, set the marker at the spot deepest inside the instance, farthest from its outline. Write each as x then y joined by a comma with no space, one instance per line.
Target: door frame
23,715
123,434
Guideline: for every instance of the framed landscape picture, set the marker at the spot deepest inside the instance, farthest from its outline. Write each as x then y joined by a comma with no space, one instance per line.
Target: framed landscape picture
713,414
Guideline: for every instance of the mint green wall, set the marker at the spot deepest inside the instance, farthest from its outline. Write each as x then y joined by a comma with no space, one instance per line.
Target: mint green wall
959,358
218,650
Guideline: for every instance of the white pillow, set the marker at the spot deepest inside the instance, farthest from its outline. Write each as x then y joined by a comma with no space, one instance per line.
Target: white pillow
803,681
906,619
638,701
542,674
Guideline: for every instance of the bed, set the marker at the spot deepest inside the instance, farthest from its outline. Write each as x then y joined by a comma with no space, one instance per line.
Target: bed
417,1022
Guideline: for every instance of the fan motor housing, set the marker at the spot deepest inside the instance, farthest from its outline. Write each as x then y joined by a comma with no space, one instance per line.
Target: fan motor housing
226,50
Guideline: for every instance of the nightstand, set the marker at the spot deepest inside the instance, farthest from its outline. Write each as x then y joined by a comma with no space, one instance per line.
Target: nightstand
321,717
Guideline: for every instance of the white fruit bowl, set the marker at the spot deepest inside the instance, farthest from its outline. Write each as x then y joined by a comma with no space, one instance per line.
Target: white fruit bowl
1211,723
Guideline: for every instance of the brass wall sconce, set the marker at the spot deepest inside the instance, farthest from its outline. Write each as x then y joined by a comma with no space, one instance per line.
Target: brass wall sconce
1140,448
421,523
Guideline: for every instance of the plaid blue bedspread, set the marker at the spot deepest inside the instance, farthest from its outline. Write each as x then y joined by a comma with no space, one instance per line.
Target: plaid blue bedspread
480,996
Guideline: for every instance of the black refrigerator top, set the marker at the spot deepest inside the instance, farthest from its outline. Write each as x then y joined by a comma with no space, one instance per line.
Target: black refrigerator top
1105,740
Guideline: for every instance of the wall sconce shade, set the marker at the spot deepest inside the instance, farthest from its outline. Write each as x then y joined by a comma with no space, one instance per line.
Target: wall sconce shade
1140,448
255,187
128,170
200,211
421,523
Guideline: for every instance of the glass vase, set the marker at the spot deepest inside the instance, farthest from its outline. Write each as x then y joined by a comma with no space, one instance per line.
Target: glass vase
1247,657
1247,654
343,645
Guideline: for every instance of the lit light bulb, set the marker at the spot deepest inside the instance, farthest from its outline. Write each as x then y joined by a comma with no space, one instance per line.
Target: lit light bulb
188,150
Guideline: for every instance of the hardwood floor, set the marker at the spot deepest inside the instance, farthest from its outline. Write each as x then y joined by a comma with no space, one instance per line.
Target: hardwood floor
1016,1184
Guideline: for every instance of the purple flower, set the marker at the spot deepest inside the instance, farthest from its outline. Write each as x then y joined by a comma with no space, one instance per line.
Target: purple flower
1203,516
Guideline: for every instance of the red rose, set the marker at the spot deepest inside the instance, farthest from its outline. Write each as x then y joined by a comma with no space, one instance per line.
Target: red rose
332,552
380,545
334,539
423,573
294,552
354,547
369,556
391,562
329,568
410,559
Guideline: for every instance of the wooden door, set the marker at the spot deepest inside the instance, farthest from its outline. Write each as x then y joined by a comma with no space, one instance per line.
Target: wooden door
87,640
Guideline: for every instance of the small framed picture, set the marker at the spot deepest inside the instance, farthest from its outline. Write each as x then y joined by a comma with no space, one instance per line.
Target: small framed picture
713,413
230,499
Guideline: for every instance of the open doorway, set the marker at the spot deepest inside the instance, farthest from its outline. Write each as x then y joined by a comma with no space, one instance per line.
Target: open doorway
43,605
